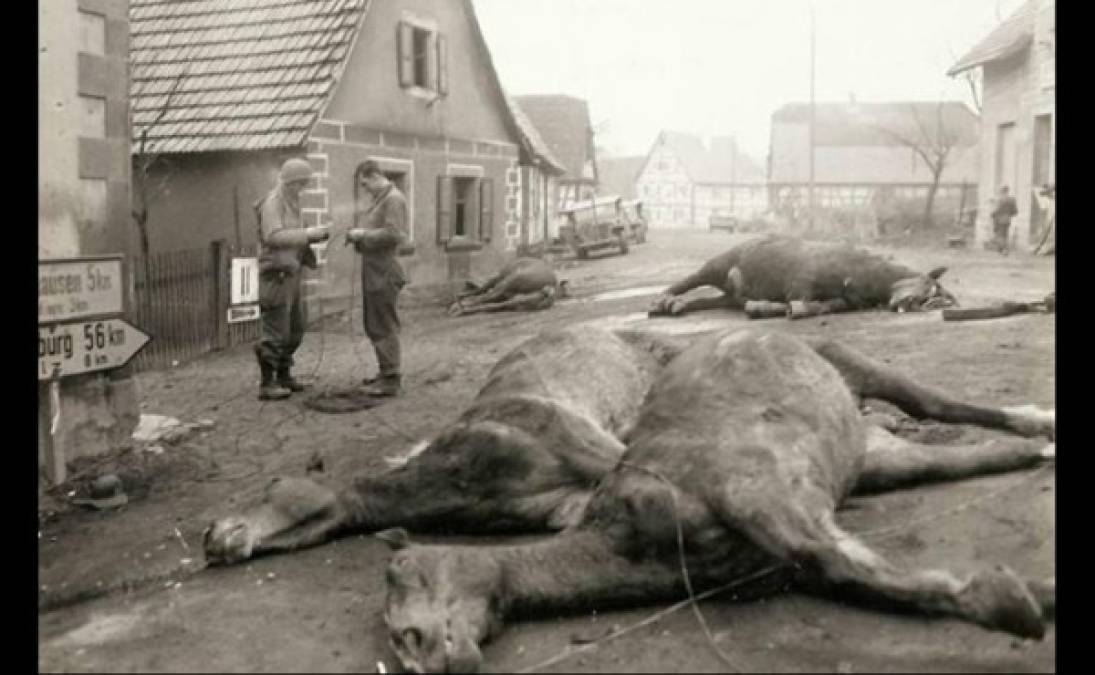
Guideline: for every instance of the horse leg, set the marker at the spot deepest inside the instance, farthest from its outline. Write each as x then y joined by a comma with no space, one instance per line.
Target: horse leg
796,524
892,462
678,306
801,309
662,304
519,302
294,513
870,379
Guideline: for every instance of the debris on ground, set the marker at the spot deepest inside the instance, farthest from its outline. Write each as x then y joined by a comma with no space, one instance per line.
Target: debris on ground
152,428
105,492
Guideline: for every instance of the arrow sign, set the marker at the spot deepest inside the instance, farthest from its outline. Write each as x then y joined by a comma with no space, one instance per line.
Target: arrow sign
86,346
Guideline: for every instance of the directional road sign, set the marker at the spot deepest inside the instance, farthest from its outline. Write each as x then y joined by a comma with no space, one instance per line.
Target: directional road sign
85,346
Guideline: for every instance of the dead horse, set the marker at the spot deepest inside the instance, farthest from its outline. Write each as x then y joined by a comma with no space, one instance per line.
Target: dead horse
526,284
801,279
548,425
746,445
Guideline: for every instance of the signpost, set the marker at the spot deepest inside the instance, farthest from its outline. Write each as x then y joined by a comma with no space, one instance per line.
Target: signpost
244,300
80,330
74,288
86,346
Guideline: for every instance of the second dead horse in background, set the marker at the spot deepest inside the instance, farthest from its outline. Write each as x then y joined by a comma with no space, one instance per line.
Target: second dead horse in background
811,278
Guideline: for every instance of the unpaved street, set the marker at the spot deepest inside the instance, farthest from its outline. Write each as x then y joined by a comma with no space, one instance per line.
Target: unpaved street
124,591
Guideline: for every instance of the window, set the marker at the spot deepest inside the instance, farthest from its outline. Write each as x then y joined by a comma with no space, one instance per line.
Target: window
465,210
423,57
463,213
420,52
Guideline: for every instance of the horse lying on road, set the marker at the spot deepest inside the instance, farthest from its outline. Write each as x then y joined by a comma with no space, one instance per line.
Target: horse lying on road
799,279
745,446
526,284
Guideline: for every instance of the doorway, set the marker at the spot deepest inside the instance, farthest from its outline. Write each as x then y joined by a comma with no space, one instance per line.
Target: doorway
1040,174
1005,157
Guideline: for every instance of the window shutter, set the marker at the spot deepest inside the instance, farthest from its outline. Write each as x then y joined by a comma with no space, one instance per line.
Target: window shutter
444,209
486,208
442,65
405,48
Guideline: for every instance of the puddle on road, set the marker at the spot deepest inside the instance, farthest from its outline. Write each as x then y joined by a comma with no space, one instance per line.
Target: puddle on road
626,293
669,326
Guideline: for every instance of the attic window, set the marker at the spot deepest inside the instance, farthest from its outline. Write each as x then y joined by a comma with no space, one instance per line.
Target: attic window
423,59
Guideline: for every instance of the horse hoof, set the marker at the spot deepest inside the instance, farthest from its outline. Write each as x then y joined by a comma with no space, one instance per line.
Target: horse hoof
999,600
1030,420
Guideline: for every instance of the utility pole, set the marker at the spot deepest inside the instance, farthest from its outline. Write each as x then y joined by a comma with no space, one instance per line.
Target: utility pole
813,105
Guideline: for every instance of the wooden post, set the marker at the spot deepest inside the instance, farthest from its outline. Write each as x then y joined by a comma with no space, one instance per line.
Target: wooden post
236,214
219,295
51,433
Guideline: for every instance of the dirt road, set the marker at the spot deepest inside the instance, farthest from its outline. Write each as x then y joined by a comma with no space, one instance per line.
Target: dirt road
152,607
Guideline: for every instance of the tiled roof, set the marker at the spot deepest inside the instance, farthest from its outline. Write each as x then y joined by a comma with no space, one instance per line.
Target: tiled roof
715,165
532,138
1010,37
563,122
873,124
234,74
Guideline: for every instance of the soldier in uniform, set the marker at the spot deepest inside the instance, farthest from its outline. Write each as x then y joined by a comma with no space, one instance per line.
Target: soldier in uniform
1004,209
378,236
285,249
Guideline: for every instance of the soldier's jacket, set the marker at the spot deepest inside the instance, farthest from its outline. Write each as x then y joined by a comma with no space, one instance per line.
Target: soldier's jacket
380,270
284,247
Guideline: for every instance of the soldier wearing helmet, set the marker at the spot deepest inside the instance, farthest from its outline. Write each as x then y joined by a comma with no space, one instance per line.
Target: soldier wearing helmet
285,249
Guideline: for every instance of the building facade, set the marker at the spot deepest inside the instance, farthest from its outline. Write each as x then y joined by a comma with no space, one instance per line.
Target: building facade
84,194
563,123
407,83
1018,138
683,183
865,156
540,173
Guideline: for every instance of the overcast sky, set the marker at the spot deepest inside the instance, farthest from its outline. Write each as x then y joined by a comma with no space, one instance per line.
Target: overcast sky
721,67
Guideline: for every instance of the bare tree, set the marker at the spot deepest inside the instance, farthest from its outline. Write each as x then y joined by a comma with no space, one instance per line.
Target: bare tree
145,161
932,146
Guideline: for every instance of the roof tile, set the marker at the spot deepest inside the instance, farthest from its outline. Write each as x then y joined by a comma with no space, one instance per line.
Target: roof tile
247,74
1012,36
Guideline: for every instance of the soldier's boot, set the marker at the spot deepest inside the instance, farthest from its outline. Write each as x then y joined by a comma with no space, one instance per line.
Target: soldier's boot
386,385
286,380
270,390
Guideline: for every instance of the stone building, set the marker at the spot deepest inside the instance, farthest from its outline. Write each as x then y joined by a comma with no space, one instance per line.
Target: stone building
1018,137
224,92
84,194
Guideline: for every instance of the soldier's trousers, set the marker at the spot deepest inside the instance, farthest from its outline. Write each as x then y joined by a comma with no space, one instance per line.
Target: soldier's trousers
382,326
282,321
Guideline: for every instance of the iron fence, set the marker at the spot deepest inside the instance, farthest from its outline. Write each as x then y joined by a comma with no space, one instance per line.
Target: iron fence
180,298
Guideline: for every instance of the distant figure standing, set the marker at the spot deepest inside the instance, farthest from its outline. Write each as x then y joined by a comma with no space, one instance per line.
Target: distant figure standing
1002,213
1047,200
285,249
378,237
